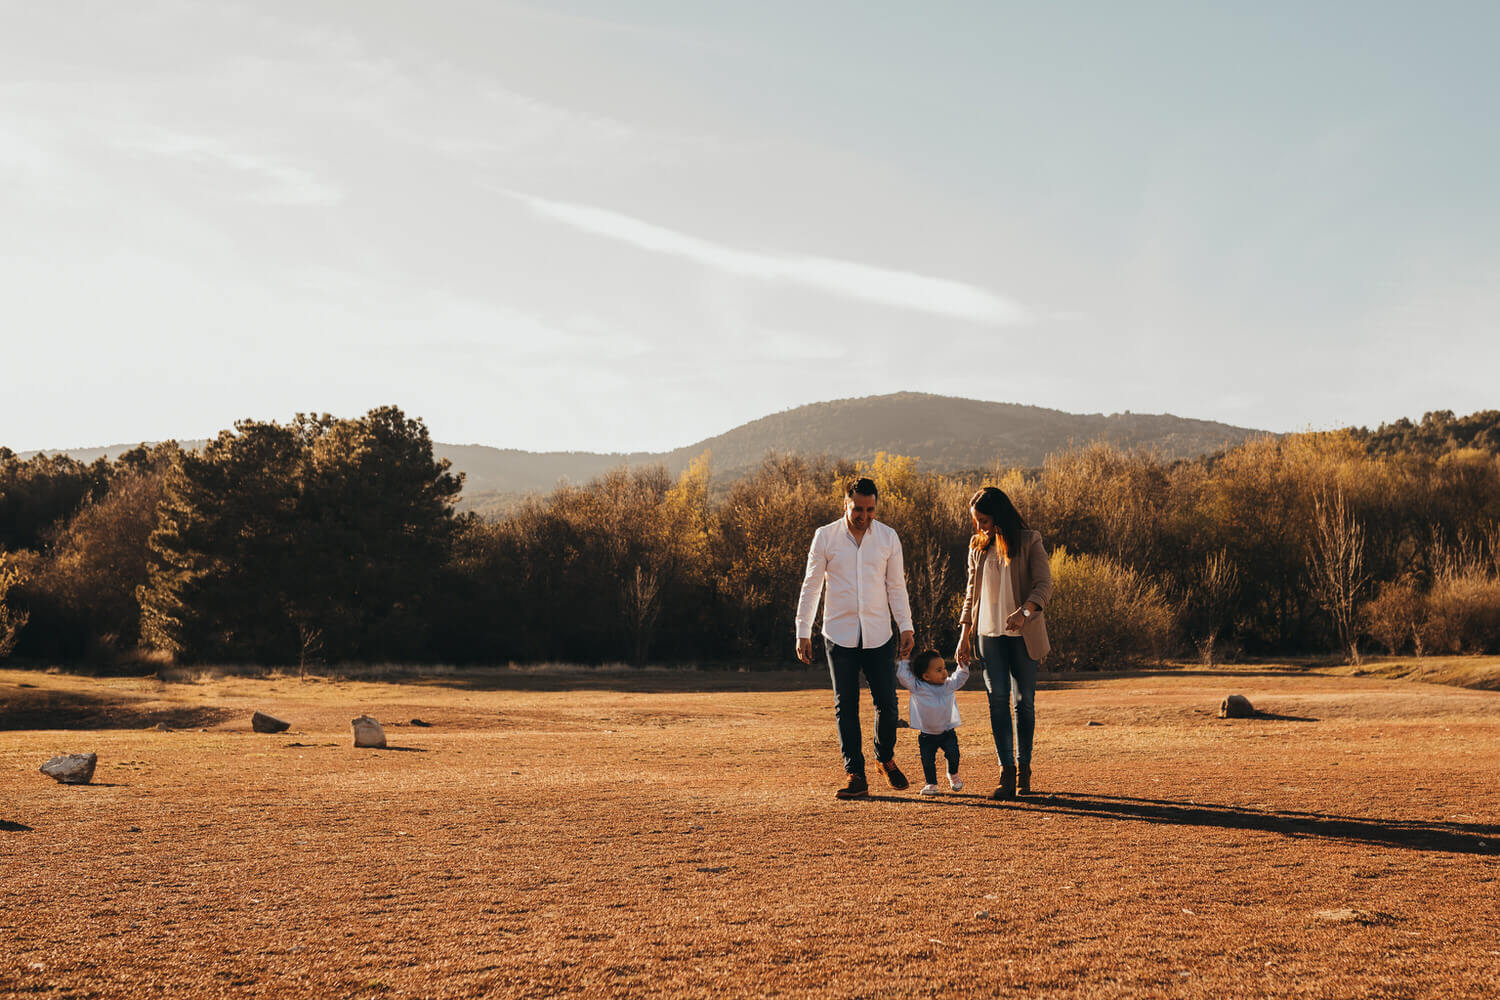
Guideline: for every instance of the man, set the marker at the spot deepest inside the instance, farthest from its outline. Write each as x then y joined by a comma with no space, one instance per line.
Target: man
859,559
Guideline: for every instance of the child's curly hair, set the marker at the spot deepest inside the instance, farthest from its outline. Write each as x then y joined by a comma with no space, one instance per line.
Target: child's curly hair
921,661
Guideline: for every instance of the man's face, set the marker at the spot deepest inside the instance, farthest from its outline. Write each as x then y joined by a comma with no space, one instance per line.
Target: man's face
859,511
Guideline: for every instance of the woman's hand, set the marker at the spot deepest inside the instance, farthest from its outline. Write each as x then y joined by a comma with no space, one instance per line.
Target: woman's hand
964,655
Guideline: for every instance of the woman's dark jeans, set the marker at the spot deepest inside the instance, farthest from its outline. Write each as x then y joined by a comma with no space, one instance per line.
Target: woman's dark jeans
845,664
928,744
1004,658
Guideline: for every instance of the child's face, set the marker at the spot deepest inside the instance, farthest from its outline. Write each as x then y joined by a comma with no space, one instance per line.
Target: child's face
936,671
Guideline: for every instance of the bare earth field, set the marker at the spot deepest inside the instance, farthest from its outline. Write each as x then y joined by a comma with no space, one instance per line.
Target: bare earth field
659,834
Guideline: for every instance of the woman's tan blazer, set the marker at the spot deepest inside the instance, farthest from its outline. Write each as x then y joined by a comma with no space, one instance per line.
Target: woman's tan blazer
1030,580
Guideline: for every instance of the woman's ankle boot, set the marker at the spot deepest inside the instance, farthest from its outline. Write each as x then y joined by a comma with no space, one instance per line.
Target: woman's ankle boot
1023,779
1007,789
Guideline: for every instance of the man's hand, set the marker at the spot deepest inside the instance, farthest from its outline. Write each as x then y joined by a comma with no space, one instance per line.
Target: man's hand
804,650
908,642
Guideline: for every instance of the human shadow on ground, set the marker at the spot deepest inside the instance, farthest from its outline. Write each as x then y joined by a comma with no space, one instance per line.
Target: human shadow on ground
1415,835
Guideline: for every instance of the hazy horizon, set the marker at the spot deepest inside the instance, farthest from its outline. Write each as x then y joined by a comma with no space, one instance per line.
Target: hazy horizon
576,227
696,439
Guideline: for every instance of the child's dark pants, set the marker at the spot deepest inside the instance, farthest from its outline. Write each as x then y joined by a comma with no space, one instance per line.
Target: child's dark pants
928,744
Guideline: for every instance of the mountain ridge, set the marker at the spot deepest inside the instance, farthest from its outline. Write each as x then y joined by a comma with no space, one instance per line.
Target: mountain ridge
943,433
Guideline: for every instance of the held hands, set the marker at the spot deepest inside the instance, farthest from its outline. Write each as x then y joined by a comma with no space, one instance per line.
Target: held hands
964,655
908,643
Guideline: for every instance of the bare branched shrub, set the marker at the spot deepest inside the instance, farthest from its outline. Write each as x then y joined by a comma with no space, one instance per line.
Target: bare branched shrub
1208,607
1104,615
1337,566
642,608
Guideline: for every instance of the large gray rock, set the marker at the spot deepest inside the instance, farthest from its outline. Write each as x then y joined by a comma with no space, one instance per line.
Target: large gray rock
71,769
1236,706
367,732
263,723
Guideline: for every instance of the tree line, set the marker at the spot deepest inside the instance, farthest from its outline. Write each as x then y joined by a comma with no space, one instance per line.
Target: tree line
327,540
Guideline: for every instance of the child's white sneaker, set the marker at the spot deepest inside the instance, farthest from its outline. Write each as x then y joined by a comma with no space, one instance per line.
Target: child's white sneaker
928,790
955,782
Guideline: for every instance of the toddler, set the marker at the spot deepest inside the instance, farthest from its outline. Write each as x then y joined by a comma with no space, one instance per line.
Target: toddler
934,712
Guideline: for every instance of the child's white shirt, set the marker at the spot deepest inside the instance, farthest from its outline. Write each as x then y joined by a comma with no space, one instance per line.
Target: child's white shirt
933,707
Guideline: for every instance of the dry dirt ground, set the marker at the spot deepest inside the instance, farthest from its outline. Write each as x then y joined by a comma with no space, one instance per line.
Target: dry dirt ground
656,834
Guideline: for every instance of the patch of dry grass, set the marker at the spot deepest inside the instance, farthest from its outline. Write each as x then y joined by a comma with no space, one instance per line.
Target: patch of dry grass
685,841
1482,672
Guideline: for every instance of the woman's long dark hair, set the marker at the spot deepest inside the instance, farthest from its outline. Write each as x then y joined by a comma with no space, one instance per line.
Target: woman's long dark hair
993,502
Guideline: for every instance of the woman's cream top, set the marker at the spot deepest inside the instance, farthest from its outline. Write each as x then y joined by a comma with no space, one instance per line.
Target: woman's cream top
997,602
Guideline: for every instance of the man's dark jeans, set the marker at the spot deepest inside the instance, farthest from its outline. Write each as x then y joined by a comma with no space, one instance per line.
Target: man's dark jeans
879,667
929,744
1005,657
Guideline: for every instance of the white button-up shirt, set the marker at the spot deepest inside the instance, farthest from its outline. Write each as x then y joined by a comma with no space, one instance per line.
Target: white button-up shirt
865,584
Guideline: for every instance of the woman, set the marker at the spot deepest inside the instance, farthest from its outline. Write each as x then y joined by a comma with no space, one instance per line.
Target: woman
1010,583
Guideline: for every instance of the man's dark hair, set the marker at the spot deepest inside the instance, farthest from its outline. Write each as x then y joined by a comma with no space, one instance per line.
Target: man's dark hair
864,487
921,661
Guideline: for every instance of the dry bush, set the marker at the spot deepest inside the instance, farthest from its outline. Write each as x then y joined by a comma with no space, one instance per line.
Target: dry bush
1396,616
1100,498
1104,615
1463,614
12,619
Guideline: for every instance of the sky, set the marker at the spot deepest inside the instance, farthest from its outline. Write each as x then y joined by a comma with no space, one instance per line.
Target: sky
601,225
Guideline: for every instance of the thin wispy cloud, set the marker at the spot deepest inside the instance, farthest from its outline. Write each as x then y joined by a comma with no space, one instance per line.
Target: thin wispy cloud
276,181
850,279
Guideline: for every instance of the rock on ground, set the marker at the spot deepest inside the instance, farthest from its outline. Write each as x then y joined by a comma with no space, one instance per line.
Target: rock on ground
263,723
1236,706
367,732
71,769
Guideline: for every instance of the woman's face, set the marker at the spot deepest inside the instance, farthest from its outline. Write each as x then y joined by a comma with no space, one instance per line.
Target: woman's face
983,523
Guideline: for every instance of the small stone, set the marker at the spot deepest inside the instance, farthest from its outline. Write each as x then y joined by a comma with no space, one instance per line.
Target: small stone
162,727
419,722
71,769
263,723
367,732
981,914
1093,723
1236,706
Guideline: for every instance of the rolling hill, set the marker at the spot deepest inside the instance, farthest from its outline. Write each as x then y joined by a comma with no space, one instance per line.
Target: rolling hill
943,433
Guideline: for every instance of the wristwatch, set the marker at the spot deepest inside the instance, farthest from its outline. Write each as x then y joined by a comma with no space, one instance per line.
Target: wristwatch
1026,612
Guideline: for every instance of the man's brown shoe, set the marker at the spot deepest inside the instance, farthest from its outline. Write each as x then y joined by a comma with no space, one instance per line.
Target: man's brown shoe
1007,789
894,776
1023,780
857,788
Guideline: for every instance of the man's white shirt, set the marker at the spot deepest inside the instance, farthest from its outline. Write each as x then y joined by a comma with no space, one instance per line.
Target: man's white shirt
865,586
